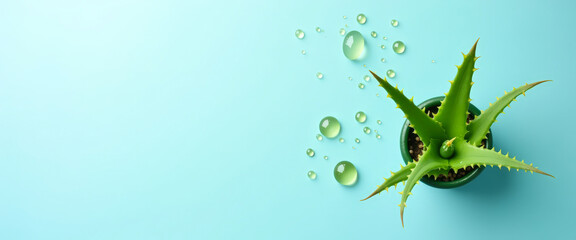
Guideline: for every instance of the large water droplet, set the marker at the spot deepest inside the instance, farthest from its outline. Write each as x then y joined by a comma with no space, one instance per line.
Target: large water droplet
329,127
360,117
353,45
345,173
394,23
299,34
361,18
312,175
390,73
367,130
399,47
310,152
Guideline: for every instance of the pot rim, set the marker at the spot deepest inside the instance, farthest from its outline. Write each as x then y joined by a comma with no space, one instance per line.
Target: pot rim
428,180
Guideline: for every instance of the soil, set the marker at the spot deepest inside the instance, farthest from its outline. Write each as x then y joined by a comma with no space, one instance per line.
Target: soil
416,147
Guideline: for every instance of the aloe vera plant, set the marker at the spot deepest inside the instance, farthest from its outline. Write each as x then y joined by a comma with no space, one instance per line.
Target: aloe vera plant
449,141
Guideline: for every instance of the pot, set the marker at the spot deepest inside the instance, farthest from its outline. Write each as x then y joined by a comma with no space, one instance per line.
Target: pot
404,148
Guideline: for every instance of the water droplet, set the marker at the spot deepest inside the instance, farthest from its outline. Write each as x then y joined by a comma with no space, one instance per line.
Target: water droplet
399,47
342,31
353,45
330,127
345,25
299,34
376,131
344,17
325,157
378,136
319,75
433,61
345,173
383,60
379,122
319,137
382,46
366,78
385,38
310,152
367,130
350,78
394,23
312,175
361,18
377,94
303,52
318,29
373,34
360,85
390,73
360,117
341,140
363,65
357,140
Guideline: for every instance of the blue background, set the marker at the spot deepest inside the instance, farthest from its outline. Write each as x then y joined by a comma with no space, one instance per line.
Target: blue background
190,120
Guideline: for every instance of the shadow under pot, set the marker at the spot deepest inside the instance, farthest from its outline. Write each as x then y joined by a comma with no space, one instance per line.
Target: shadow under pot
411,148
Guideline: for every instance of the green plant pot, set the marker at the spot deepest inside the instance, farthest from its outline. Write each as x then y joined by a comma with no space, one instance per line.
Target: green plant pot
428,180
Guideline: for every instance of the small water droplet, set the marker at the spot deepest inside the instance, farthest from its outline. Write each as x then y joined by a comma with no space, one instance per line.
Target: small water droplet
344,17
360,117
366,78
399,47
383,60
390,73
319,75
383,46
303,52
363,65
319,137
433,61
312,175
342,31
345,25
310,152
376,131
394,23
353,45
377,94
361,18
325,157
341,140
373,34
357,140
318,29
330,127
378,136
385,38
350,78
379,122
360,85
345,173
299,34
367,130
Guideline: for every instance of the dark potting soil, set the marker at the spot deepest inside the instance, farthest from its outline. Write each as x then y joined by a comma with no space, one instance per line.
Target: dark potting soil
416,147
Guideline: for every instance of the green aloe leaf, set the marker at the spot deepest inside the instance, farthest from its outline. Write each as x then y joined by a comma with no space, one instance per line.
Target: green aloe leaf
479,127
426,127
453,112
